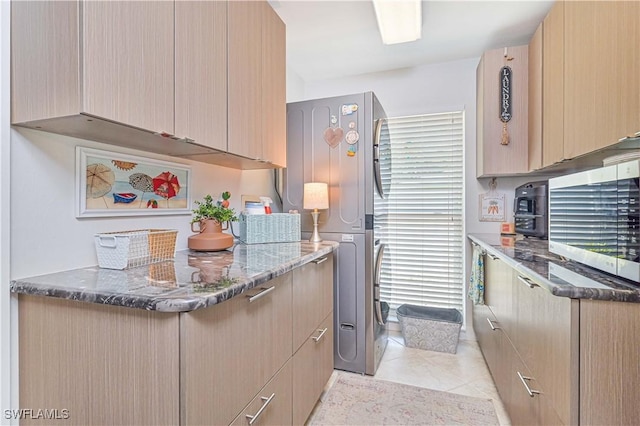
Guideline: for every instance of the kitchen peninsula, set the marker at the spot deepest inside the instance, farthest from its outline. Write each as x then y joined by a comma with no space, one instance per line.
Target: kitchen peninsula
210,338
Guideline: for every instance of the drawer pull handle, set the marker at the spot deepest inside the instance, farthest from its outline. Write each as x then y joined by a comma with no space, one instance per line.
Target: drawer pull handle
527,282
267,401
494,328
523,379
317,338
264,292
493,256
321,260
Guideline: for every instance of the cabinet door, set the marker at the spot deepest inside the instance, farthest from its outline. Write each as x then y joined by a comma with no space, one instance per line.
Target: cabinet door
498,293
230,351
553,86
523,409
245,78
128,62
105,364
312,367
201,72
609,364
544,337
274,88
535,100
312,297
44,66
498,159
486,329
602,74
272,405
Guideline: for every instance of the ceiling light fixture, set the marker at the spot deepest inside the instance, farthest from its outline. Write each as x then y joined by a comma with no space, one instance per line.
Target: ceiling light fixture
399,21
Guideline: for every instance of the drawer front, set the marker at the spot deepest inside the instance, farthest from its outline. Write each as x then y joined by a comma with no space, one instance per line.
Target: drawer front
526,402
312,297
312,367
543,338
272,406
231,350
498,291
483,324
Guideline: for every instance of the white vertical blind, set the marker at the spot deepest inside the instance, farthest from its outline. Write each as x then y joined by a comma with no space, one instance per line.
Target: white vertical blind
422,214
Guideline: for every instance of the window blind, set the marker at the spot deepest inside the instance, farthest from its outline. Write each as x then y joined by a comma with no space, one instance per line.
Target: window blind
421,218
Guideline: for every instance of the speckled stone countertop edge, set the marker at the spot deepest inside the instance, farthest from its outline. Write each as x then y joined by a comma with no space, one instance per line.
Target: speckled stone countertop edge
618,290
171,301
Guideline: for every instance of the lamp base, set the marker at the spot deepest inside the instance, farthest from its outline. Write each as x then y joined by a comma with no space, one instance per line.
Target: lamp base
315,237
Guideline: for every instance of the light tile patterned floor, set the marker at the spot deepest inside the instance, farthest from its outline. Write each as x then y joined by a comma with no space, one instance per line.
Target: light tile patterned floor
464,372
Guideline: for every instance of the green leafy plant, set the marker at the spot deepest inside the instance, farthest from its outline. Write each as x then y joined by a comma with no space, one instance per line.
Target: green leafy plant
218,210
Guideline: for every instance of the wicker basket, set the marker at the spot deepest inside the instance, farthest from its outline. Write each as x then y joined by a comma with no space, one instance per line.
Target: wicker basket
128,249
269,228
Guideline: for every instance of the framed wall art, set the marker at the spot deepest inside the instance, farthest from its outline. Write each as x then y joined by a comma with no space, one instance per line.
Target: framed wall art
492,207
114,184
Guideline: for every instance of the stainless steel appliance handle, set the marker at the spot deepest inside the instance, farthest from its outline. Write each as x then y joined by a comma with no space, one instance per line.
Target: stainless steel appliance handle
527,216
523,379
376,285
267,401
263,293
376,157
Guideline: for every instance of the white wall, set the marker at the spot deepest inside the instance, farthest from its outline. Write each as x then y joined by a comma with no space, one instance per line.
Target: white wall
295,86
431,89
6,318
46,235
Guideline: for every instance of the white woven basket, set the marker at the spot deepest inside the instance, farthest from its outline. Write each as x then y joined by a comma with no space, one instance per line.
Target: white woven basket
128,249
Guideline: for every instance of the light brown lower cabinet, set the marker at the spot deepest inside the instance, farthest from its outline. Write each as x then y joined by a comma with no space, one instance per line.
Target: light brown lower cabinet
272,405
526,331
217,365
559,360
231,350
312,367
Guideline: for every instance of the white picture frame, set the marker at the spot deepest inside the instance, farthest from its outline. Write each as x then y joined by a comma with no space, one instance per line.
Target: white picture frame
492,207
112,184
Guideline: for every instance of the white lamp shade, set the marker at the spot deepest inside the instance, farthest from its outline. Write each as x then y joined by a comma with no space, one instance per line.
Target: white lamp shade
316,196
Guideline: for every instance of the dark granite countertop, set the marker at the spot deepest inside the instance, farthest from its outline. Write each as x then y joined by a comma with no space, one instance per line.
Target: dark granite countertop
565,278
193,280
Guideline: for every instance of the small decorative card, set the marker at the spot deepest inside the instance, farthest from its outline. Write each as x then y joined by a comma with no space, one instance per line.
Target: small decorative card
492,207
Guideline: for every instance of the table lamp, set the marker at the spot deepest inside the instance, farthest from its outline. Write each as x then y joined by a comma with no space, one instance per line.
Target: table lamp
316,196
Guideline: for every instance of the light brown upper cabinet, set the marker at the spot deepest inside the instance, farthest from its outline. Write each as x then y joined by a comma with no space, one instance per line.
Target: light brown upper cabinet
494,158
201,72
535,100
590,79
274,88
257,82
553,86
134,74
113,60
601,74
127,62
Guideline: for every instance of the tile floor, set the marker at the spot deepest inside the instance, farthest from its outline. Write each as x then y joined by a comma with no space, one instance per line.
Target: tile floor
464,372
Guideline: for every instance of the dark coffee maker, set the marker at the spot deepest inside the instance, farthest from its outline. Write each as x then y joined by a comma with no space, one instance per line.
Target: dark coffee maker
530,209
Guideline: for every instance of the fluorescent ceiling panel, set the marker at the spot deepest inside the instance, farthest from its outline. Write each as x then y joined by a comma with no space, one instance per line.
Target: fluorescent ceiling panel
399,21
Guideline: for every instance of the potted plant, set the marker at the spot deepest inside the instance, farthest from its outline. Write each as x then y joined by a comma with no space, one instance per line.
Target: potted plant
211,216
218,211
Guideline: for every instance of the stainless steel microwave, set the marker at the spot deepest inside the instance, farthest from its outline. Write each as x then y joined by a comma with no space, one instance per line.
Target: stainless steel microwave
594,218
